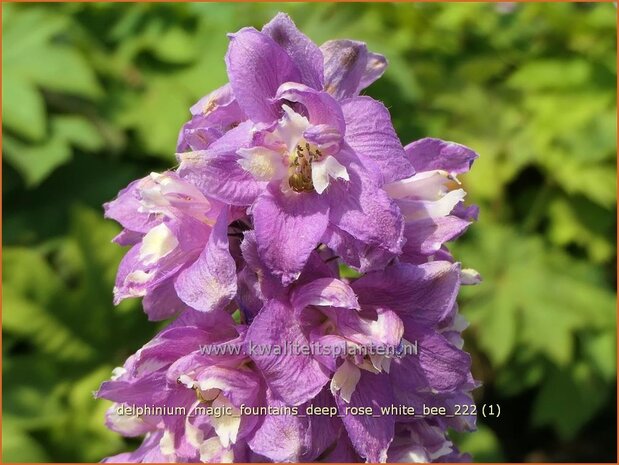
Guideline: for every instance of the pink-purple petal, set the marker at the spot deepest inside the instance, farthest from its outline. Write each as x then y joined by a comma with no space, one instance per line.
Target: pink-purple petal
163,302
216,171
370,134
210,283
283,437
426,236
425,292
293,377
370,435
257,66
324,292
364,211
435,154
304,53
345,65
288,227
321,107
375,67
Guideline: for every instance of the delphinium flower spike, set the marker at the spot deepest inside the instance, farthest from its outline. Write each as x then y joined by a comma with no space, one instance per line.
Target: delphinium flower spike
286,177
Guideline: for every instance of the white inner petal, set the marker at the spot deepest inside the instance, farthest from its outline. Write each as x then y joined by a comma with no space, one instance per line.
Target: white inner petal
212,451
345,380
380,362
194,435
226,426
166,445
162,193
322,169
418,209
291,128
427,185
264,164
126,424
118,372
135,278
158,243
469,276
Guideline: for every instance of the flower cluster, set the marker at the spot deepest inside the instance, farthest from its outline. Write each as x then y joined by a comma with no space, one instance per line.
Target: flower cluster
295,218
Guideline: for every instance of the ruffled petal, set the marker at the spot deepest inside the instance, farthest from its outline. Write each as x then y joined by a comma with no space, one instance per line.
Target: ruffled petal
239,386
221,98
370,435
128,425
305,53
210,283
370,134
135,391
324,292
426,236
375,67
436,154
365,212
136,279
163,302
216,171
382,328
345,65
439,365
288,227
212,116
425,292
257,66
321,107
283,437
293,377
126,209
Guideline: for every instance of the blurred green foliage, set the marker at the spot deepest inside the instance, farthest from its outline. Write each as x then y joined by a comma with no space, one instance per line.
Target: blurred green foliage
94,95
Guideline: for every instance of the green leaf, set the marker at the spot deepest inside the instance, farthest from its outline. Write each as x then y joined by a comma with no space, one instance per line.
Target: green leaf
601,352
528,286
599,183
526,371
23,109
28,274
24,318
18,446
483,444
34,57
157,128
176,46
87,424
32,400
30,293
568,400
60,69
551,73
574,221
36,162
29,29
78,132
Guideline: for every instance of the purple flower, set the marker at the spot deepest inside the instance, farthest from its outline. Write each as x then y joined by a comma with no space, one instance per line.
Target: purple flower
171,372
402,304
287,176
311,156
431,201
178,237
212,116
